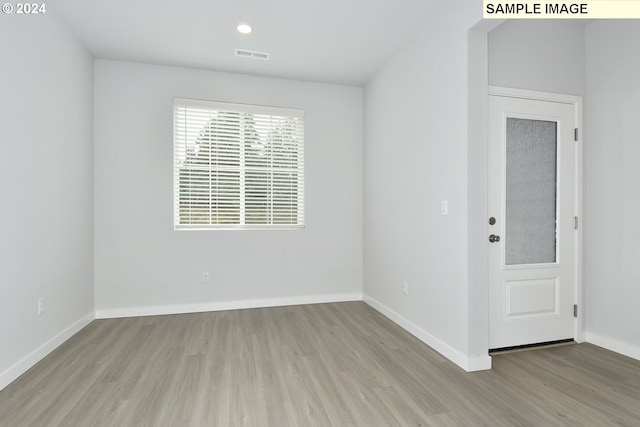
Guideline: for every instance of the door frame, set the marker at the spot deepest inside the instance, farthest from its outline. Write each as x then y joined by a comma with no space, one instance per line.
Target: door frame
576,102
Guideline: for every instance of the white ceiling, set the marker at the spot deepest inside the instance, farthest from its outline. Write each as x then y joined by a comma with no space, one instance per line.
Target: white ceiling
336,41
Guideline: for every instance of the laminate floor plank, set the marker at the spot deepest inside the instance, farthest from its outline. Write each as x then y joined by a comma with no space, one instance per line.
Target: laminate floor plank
341,364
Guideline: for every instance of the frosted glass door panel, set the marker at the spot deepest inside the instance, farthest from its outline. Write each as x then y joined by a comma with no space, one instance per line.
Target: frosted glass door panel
531,191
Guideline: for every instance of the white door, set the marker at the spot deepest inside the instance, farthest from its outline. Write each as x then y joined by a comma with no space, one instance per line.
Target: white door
532,200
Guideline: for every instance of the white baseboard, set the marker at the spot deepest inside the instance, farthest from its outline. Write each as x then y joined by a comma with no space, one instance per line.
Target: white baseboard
22,366
467,363
225,305
622,347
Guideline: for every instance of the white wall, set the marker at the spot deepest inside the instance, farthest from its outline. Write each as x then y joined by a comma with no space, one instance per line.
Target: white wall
478,295
613,185
542,55
416,148
143,266
46,248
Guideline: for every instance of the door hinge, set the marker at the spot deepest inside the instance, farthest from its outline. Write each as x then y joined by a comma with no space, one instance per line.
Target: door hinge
575,310
575,223
575,134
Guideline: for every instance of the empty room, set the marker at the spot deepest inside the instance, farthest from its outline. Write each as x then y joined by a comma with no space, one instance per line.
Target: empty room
286,213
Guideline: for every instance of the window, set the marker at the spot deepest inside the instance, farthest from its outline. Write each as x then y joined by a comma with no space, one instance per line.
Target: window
237,166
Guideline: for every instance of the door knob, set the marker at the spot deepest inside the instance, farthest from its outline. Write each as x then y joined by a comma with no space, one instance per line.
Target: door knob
494,239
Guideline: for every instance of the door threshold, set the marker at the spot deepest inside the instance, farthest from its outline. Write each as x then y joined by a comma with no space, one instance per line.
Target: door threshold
536,346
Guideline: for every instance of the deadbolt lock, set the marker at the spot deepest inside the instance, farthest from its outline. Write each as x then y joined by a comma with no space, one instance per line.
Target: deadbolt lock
492,221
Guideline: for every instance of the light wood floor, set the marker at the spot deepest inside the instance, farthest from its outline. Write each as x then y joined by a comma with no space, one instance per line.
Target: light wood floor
317,365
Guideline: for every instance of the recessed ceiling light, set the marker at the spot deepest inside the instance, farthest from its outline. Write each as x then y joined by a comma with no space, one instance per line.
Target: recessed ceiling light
244,28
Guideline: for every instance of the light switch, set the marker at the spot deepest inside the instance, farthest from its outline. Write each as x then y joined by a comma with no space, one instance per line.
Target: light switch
444,207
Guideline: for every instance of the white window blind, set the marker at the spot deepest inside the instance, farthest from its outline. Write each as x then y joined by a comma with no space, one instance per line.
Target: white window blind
237,166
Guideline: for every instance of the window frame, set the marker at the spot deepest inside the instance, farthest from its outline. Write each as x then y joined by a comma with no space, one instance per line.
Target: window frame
292,144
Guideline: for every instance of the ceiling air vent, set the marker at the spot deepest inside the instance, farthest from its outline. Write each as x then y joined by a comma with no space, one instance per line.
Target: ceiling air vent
243,53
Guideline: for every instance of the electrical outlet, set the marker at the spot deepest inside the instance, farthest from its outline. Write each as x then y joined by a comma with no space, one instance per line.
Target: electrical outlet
41,306
405,288
205,277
